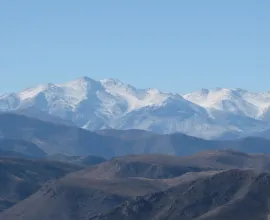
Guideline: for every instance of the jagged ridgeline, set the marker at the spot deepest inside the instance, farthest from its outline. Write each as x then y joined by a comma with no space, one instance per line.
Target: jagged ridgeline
109,103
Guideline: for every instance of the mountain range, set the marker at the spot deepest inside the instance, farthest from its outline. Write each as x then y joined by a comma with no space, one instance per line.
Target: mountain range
109,103
102,150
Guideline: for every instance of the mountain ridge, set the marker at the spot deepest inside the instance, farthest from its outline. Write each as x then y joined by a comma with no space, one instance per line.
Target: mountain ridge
53,138
110,103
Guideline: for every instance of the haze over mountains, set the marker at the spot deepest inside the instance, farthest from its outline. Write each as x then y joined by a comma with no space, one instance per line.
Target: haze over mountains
109,103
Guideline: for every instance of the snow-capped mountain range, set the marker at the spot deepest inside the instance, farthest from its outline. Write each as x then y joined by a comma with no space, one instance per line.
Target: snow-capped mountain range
110,103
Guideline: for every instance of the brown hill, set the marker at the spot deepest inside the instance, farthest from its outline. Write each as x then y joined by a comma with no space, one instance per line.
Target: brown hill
79,198
165,187
19,178
233,194
166,166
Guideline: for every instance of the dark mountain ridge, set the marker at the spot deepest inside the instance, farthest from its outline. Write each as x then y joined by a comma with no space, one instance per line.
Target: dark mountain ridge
55,138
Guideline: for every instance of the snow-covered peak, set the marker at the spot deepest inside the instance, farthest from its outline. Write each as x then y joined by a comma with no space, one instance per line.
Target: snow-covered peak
212,98
30,93
204,91
82,82
236,101
135,98
111,81
153,91
85,79
241,91
113,85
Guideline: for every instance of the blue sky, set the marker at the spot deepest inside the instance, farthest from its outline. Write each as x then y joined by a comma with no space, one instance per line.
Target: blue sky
177,46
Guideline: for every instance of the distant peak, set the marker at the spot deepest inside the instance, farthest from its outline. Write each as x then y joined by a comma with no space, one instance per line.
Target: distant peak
204,91
241,90
85,79
224,90
218,89
111,81
50,85
153,91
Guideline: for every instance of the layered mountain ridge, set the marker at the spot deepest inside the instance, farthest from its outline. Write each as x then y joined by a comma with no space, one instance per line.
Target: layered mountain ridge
109,103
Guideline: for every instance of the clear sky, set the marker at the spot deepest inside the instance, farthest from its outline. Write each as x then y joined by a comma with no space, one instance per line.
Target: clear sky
174,45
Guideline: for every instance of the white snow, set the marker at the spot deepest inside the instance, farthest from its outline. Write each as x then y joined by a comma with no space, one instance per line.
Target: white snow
232,100
32,92
135,98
